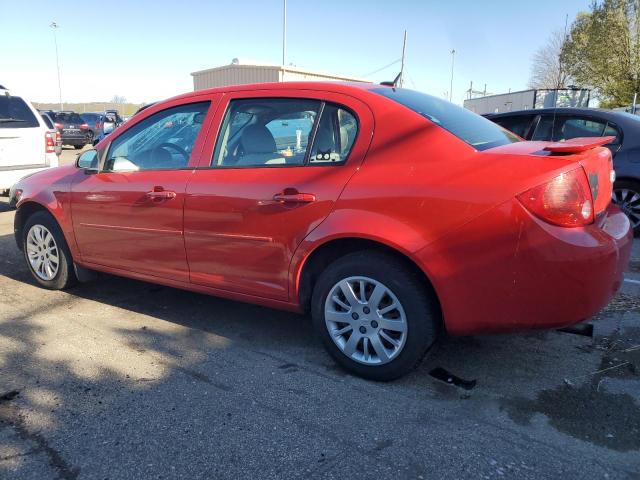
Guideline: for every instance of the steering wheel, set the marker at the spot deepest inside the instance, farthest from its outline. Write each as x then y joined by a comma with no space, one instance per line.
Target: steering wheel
176,148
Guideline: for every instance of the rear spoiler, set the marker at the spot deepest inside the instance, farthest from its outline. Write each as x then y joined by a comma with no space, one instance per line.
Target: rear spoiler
578,145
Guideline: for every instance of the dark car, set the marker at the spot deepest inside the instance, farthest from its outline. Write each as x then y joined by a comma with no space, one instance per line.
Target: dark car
559,124
95,122
73,129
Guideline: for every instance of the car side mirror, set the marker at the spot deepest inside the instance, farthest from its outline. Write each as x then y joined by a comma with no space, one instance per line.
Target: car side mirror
88,161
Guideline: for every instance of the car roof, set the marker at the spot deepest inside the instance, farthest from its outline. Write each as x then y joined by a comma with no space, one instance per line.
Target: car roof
337,87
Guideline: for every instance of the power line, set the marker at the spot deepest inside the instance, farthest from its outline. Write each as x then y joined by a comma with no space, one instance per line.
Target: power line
382,68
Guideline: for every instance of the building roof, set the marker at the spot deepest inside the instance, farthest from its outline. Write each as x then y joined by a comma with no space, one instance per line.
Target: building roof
252,64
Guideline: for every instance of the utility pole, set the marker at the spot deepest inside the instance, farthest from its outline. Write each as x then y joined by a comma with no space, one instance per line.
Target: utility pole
633,107
560,83
404,47
453,57
55,26
284,33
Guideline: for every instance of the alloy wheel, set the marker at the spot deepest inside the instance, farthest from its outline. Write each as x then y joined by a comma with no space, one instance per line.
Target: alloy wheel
629,202
42,252
365,320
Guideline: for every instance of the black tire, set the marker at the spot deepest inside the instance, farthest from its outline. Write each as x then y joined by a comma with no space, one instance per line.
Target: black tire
78,147
65,276
419,305
632,209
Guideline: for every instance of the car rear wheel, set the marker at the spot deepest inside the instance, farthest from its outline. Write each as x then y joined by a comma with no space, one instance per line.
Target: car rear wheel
376,317
626,194
46,252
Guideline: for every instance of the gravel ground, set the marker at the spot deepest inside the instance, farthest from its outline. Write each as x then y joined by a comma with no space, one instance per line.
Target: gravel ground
120,379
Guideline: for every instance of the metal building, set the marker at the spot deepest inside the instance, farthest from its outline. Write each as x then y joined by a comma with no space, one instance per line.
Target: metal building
243,72
528,99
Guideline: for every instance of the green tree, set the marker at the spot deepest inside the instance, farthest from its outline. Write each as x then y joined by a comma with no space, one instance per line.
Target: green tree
603,51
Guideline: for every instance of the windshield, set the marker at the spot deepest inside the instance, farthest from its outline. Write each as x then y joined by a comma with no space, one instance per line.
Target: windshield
15,113
68,117
473,129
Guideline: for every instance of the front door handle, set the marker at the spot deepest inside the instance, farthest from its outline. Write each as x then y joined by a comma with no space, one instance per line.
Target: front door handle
294,197
160,193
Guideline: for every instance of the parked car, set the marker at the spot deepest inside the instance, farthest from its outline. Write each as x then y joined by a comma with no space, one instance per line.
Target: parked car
286,195
26,144
561,124
52,129
73,129
95,122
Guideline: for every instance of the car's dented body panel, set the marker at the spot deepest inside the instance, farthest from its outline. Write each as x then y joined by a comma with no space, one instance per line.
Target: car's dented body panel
415,188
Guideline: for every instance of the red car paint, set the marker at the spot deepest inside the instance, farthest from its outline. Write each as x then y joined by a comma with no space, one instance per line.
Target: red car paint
408,184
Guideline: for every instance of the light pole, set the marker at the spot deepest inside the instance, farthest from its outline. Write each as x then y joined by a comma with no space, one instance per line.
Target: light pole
284,32
55,26
453,57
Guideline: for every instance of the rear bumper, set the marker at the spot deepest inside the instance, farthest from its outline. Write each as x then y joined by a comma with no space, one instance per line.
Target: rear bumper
508,270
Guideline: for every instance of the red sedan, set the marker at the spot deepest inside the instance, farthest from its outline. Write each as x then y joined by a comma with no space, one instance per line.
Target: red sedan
388,214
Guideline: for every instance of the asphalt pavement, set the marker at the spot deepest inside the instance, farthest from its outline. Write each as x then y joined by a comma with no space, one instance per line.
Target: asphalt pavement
119,379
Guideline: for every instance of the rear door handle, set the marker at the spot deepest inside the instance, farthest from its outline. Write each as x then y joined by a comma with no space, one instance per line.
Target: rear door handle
158,192
294,197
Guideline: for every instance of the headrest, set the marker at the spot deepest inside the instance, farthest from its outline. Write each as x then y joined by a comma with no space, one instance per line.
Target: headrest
257,139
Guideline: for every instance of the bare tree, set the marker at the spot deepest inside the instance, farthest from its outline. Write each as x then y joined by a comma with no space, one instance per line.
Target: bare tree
118,99
547,70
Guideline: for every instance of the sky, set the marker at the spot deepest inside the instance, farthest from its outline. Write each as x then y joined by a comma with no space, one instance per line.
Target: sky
145,50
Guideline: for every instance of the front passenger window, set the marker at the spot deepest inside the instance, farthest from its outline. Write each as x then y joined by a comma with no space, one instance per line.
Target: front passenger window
163,141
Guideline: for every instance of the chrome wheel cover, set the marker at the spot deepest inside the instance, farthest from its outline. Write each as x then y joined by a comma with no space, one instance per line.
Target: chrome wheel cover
365,320
42,252
629,202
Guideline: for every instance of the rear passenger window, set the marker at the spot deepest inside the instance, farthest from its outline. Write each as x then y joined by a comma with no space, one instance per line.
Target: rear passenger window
544,129
581,127
273,132
15,113
265,132
336,133
612,131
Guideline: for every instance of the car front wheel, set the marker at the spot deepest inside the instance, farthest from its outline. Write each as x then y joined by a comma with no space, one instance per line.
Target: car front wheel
376,317
626,194
46,252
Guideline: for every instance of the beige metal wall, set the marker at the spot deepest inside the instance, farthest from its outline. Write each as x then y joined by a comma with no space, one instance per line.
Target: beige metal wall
235,75
243,74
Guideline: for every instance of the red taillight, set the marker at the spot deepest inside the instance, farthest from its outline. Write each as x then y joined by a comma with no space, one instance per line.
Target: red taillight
565,200
58,137
84,126
58,126
49,143
98,126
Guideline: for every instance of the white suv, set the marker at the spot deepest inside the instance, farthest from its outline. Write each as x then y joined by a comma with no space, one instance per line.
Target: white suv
26,144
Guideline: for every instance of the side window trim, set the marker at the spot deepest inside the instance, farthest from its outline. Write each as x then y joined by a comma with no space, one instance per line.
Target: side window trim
314,132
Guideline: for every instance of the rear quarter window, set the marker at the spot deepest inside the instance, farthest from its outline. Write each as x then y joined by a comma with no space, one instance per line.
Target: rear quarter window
15,113
469,127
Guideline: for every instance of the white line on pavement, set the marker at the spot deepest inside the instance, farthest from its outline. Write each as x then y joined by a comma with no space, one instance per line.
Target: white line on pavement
637,282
